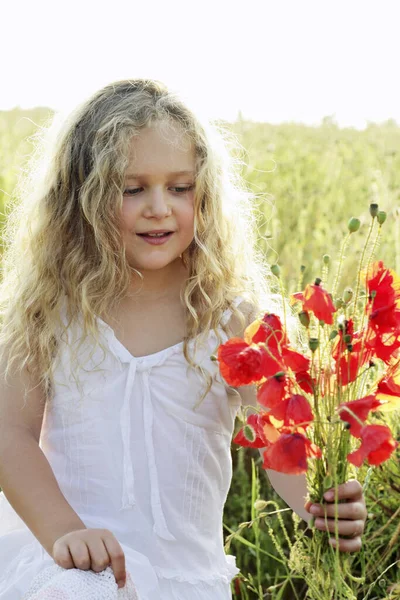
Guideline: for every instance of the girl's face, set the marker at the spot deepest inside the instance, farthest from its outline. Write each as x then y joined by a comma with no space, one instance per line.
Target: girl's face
156,197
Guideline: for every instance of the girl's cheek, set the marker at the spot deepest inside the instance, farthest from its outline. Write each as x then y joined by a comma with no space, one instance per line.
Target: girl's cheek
128,215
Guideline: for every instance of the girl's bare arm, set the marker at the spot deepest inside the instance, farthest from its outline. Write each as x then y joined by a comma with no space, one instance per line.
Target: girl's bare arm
26,477
291,488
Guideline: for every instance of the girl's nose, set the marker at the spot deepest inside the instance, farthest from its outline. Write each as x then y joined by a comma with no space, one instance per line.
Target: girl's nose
158,205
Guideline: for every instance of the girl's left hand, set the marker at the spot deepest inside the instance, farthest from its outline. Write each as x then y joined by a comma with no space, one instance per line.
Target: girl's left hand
352,515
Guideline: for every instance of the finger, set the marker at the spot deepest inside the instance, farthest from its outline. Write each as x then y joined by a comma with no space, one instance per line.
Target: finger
62,556
80,554
99,559
117,557
350,545
351,489
354,528
307,505
347,510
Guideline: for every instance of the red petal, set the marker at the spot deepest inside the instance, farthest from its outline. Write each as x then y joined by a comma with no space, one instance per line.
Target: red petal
257,422
293,410
295,360
361,409
289,454
306,382
319,302
271,332
272,391
377,446
241,364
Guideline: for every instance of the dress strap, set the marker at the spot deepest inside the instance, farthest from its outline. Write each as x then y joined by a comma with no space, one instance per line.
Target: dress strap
228,312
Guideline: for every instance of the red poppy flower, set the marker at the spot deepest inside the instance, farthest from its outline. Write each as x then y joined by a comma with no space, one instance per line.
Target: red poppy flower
269,331
348,363
289,454
383,304
389,387
264,431
295,360
361,409
292,411
306,382
318,301
273,390
259,441
383,344
243,364
377,446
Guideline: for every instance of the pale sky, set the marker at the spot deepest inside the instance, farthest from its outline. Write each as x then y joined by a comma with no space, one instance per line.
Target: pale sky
276,61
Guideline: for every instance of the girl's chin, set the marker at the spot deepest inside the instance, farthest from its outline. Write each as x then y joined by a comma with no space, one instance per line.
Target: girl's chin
154,262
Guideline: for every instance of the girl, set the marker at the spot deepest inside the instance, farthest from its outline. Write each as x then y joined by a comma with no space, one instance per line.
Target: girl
130,259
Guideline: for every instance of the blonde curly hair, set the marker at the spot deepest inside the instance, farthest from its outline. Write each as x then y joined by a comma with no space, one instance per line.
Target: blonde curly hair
62,238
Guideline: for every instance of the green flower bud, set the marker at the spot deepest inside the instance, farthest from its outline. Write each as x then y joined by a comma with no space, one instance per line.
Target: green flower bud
381,217
353,225
260,504
249,433
304,318
213,357
338,303
347,295
275,270
302,268
313,344
373,209
326,258
347,338
333,334
328,481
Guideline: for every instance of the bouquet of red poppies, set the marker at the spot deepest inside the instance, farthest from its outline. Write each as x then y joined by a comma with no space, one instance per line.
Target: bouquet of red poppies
319,409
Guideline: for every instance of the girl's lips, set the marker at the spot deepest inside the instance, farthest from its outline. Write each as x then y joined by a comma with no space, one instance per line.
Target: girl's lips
156,241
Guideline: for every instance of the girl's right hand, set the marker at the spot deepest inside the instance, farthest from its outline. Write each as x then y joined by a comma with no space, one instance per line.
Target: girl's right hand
93,549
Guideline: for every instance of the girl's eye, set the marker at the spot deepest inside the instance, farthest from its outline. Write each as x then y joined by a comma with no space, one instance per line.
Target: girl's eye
181,190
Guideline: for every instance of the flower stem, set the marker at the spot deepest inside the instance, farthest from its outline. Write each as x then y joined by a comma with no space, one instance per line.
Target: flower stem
344,244
360,266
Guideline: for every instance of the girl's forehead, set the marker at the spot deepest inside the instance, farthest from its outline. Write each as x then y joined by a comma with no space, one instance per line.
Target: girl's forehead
152,151
171,137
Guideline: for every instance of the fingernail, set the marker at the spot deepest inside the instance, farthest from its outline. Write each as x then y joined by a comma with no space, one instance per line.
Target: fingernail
314,509
121,583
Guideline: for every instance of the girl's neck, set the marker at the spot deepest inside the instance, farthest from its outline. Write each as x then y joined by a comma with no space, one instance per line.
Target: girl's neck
158,286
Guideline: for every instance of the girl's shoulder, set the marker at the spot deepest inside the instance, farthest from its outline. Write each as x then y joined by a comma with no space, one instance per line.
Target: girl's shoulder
249,310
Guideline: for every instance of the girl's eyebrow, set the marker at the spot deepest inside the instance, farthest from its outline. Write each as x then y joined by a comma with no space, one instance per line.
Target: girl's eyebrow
137,176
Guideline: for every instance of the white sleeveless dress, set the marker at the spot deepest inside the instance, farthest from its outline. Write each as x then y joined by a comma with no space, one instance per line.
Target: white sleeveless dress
136,458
